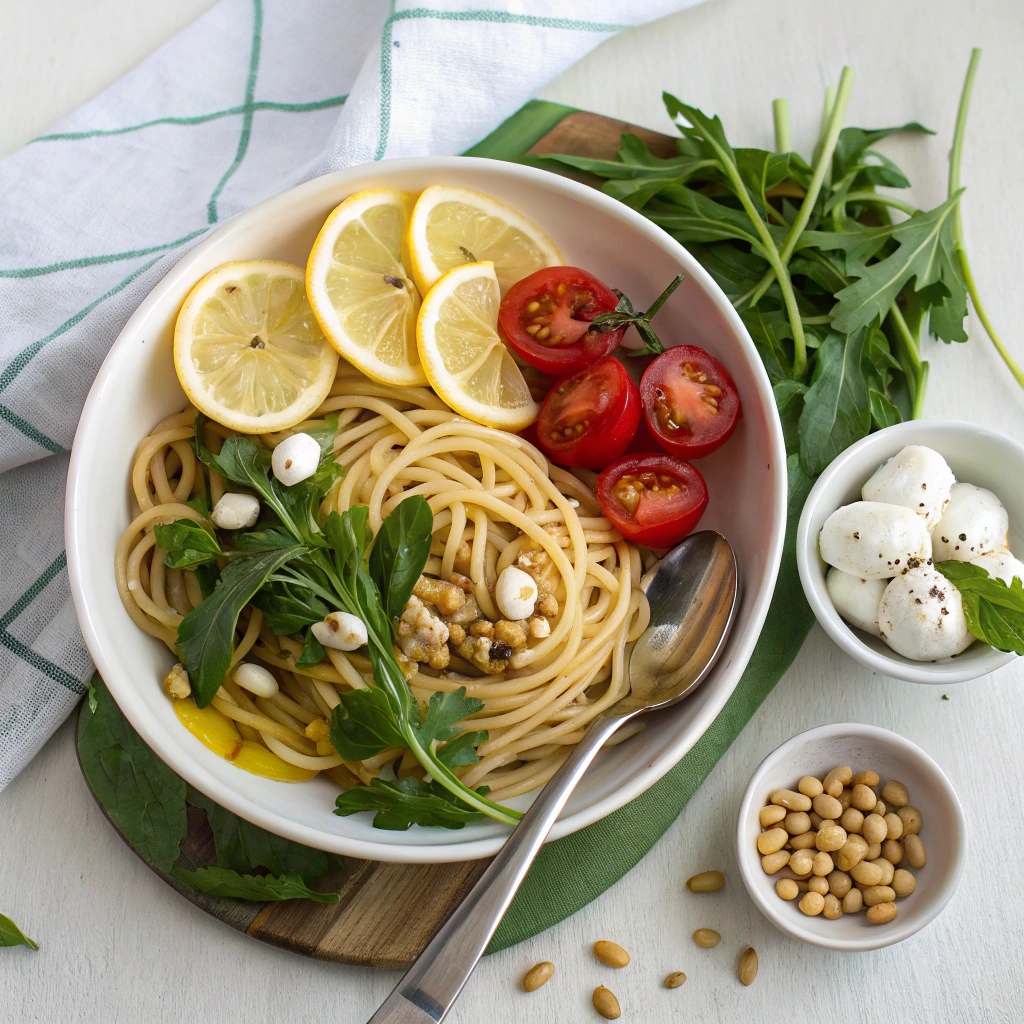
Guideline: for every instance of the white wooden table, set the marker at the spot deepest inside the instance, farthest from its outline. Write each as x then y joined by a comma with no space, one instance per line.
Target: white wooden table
120,947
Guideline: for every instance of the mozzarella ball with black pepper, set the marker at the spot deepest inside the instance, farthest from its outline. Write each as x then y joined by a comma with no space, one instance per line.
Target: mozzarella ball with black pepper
873,540
974,523
236,511
856,598
295,459
921,616
1001,565
917,478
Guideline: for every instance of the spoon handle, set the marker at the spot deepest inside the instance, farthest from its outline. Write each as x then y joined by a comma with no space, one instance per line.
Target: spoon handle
434,981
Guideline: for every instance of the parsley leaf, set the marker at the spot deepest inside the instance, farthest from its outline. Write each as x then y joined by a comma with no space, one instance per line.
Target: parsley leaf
994,611
400,550
364,724
187,544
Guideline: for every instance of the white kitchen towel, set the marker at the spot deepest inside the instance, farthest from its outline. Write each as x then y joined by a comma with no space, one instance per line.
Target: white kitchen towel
255,96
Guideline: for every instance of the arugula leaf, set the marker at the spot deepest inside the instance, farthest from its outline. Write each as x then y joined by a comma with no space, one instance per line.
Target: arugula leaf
994,611
836,405
312,652
924,253
405,802
258,888
461,750
187,544
200,504
142,796
364,724
206,635
289,609
241,846
400,552
789,399
12,935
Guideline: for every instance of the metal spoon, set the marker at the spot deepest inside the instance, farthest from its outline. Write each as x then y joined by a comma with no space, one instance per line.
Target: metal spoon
693,594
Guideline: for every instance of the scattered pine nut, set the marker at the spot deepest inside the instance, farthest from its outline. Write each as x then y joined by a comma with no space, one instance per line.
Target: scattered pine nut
611,953
675,979
707,937
539,974
882,913
914,851
606,1004
706,881
748,965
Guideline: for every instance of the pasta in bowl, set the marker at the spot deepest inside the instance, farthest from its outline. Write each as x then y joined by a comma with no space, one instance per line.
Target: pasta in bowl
551,673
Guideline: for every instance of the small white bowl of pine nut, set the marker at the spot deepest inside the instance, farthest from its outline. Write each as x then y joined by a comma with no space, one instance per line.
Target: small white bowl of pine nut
873,875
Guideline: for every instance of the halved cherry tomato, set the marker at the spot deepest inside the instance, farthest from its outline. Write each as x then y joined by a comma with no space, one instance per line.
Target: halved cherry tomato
690,401
588,419
654,500
546,319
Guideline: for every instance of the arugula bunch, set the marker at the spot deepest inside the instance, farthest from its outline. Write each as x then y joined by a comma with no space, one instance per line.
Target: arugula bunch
296,567
834,280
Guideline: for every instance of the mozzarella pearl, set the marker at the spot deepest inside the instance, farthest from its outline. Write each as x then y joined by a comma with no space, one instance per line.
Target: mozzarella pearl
874,541
974,523
295,459
515,593
856,598
256,679
921,616
1001,565
916,477
236,511
341,631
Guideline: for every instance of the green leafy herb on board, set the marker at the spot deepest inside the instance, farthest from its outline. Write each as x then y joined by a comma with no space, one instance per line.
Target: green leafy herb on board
405,802
994,611
144,798
260,888
834,279
12,935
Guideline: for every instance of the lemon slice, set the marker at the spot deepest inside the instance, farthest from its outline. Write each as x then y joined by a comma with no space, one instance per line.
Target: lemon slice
248,350
360,290
467,363
451,226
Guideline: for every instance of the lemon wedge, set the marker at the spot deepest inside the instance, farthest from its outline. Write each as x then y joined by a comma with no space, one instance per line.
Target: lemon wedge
466,361
451,226
360,290
248,350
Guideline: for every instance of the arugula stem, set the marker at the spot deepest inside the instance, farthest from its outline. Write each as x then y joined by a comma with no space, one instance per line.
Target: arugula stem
914,368
876,197
780,114
955,156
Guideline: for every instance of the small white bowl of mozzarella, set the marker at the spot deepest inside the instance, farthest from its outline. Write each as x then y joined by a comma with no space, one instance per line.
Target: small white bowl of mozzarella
877,520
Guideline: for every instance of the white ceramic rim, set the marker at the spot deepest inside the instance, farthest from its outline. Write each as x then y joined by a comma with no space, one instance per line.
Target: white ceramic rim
812,566
139,717
750,860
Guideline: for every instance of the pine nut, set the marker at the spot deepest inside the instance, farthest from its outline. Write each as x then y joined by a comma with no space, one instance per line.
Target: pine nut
888,870
881,809
748,965
810,786
804,842
836,779
876,894
867,873
675,979
812,904
894,825
853,902
797,823
852,820
892,851
832,837
875,828
867,778
817,884
772,840
827,806
822,864
882,913
606,1004
895,794
839,883
874,851
852,852
903,882
863,798
787,888
790,800
915,852
775,861
707,937
611,953
845,798
801,863
539,974
706,881
833,908
771,815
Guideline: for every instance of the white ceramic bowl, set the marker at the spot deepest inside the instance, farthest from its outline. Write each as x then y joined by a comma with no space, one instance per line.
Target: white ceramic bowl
977,456
137,387
943,832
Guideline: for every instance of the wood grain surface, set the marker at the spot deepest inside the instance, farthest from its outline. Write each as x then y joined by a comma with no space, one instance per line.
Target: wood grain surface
120,947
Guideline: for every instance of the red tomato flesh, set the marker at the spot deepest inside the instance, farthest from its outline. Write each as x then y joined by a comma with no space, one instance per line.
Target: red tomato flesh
588,419
690,402
546,319
655,500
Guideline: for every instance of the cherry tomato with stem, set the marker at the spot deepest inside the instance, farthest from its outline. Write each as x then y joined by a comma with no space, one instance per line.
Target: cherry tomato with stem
690,402
655,499
589,418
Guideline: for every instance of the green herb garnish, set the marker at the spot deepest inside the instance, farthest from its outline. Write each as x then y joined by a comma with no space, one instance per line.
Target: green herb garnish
833,278
994,611
12,935
260,888
624,314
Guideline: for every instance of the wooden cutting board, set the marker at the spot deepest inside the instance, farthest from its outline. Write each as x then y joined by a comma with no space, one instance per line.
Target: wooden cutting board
371,926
